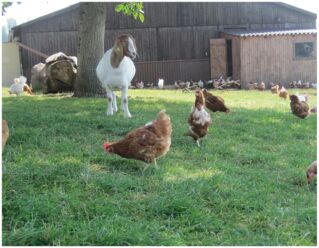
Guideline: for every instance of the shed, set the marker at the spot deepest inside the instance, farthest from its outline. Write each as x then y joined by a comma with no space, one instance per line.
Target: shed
267,55
174,40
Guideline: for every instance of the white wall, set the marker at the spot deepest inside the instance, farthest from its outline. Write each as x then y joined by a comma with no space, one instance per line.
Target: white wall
10,63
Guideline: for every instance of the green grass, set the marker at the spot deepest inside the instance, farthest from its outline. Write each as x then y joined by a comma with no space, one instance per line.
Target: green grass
246,185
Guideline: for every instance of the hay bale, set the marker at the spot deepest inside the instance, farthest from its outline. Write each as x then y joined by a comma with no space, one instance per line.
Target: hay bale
56,75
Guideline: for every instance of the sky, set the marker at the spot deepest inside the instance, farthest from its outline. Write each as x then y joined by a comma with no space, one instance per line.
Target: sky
29,10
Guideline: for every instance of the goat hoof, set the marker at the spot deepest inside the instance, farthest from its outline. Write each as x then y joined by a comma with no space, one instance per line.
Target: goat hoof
128,115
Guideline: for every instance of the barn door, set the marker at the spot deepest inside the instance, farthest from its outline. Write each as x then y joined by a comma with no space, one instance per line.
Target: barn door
218,58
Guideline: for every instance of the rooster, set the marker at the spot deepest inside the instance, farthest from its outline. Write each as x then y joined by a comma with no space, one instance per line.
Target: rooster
146,143
283,93
215,103
299,108
199,119
312,171
5,133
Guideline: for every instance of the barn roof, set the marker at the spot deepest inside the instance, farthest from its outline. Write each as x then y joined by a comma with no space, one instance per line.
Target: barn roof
47,16
285,5
252,33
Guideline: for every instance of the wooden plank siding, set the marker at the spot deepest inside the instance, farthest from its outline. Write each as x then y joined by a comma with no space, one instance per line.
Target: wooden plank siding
171,31
173,70
271,59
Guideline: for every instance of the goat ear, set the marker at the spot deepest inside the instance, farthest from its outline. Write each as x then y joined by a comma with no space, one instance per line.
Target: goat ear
117,54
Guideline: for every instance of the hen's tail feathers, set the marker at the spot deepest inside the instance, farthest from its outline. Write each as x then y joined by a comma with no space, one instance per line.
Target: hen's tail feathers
163,123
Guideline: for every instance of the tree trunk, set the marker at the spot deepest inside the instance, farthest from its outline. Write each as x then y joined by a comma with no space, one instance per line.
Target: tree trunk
90,48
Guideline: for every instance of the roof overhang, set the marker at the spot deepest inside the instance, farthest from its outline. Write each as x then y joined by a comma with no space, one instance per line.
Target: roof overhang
255,33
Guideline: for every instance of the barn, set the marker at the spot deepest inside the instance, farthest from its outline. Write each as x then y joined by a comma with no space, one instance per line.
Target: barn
250,41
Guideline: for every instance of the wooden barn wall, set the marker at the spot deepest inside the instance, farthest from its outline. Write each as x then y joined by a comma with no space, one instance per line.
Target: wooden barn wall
65,42
179,14
171,31
271,59
66,21
173,70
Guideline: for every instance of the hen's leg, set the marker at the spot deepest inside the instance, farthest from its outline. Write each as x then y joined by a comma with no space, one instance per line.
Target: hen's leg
197,142
125,102
155,163
114,103
109,100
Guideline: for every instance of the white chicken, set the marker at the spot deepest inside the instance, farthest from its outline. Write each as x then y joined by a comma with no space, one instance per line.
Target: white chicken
161,83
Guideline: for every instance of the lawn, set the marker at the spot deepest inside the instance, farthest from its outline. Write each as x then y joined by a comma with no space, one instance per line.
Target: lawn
246,185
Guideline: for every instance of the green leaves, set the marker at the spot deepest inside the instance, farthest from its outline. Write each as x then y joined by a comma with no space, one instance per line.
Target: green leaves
5,5
141,16
119,8
133,9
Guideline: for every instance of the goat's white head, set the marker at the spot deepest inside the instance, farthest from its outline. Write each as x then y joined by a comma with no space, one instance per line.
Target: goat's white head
124,46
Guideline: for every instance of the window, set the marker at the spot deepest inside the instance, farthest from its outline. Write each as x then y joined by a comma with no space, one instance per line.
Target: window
304,50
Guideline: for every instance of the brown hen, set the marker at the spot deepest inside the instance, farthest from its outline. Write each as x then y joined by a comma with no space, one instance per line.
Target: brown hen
283,93
261,86
299,108
5,133
214,103
312,171
274,89
199,119
146,143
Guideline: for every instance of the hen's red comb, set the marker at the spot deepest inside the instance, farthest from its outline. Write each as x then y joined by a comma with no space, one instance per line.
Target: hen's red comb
106,145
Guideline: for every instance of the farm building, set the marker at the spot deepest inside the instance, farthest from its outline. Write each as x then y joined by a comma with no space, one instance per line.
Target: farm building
186,40
272,56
